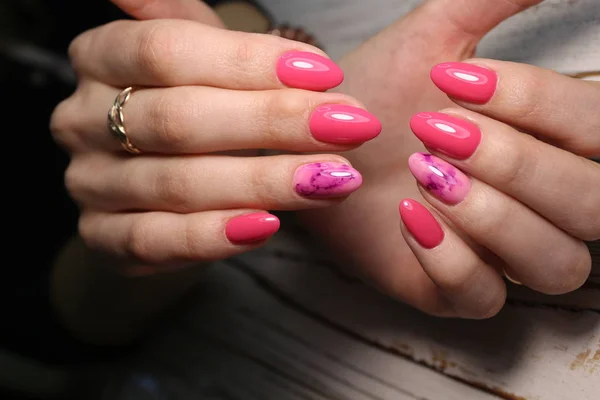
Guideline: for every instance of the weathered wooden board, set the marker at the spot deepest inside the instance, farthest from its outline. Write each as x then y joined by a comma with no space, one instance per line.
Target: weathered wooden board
284,327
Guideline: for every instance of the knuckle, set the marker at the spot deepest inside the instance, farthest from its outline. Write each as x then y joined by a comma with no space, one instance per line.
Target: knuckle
166,116
494,217
85,229
262,188
77,49
174,186
526,97
139,240
243,62
281,110
63,126
516,168
74,181
159,48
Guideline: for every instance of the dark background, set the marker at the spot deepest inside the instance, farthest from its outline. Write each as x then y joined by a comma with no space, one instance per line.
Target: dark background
39,217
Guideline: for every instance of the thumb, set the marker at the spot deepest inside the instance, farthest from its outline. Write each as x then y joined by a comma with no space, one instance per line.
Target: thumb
194,10
473,19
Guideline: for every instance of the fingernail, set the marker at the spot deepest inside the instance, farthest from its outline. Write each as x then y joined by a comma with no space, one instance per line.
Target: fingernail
327,179
310,71
453,136
342,124
440,178
421,223
251,228
466,82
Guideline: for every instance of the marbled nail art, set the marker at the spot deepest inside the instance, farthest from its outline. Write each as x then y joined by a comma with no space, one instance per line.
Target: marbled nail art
327,179
440,178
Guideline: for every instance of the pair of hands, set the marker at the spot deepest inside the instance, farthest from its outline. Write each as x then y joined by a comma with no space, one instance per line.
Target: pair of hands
523,203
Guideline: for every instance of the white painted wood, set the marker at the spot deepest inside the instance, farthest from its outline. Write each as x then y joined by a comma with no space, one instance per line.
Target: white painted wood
240,339
529,352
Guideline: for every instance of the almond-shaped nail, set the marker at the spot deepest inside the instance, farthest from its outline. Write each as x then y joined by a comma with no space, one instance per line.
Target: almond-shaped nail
326,179
453,136
343,124
421,223
466,82
440,178
251,228
310,71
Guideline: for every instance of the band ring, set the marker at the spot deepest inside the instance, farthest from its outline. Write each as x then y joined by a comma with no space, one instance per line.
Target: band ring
116,121
516,282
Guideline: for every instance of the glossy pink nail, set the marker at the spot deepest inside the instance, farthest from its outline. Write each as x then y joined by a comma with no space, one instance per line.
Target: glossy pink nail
421,223
251,228
466,82
310,71
440,178
454,136
327,179
342,124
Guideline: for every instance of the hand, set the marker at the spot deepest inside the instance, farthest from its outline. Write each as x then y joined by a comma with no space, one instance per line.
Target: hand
461,276
529,201
201,91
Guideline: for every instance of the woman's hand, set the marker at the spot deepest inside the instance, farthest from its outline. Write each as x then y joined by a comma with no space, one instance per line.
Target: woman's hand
528,198
526,205
201,91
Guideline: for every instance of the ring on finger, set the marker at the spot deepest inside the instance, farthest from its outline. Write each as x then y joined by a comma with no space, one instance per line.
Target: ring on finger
116,120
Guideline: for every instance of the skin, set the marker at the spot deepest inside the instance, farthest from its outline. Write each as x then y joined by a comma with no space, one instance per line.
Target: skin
460,277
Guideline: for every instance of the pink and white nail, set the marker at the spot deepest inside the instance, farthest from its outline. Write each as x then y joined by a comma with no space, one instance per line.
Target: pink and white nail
326,179
439,178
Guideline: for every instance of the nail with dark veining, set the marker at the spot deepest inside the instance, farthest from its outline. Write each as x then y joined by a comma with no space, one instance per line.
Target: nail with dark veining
326,179
441,179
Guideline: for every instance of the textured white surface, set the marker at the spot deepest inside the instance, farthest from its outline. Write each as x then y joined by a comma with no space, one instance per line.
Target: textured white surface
559,34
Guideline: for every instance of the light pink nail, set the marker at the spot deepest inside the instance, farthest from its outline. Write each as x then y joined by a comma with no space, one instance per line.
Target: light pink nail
310,71
466,82
343,124
440,178
327,179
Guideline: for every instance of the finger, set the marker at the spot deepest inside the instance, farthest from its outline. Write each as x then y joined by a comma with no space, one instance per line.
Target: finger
194,120
538,253
158,241
474,288
557,184
201,183
178,53
561,109
471,19
194,10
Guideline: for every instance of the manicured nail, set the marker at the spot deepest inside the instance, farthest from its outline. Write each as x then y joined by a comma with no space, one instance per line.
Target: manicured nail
343,124
441,179
421,223
453,136
466,82
251,228
310,71
327,179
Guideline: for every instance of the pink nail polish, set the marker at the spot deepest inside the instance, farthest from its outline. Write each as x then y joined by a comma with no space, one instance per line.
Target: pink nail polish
440,178
453,136
310,71
342,124
251,228
466,82
327,179
421,223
